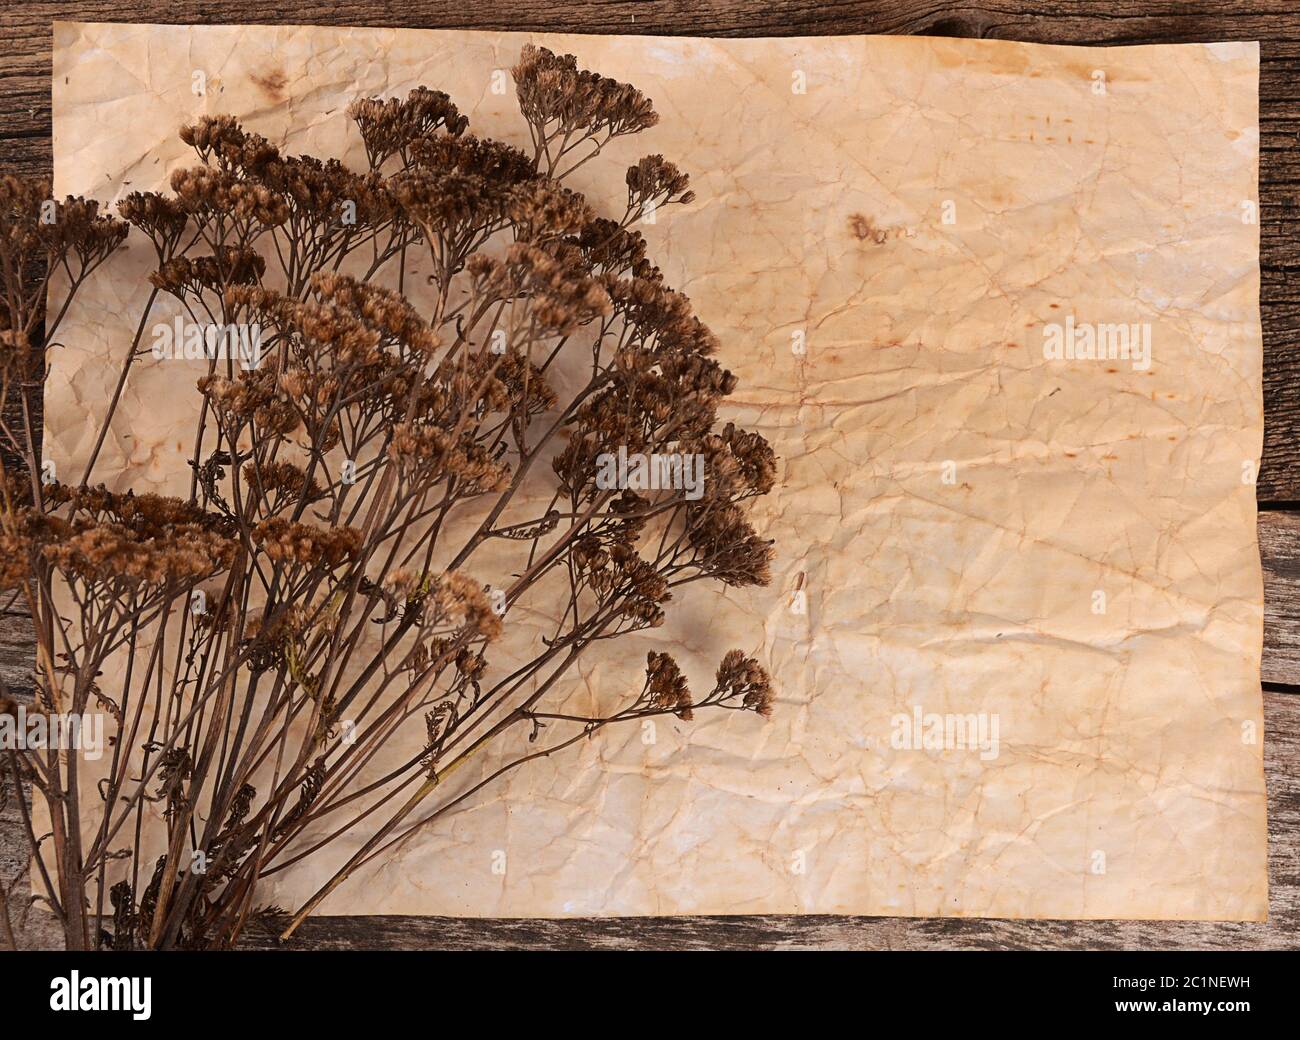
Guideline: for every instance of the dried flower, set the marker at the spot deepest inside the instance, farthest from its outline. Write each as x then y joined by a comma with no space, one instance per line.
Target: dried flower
391,126
742,677
318,593
305,545
552,88
666,687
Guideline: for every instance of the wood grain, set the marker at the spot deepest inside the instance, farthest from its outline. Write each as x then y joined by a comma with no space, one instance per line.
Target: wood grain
25,127
1279,548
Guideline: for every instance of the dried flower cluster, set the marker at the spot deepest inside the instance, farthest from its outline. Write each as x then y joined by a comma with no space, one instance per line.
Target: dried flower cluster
270,633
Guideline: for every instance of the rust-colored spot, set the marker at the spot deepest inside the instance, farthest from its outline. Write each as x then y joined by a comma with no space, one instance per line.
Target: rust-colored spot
863,229
1112,370
273,83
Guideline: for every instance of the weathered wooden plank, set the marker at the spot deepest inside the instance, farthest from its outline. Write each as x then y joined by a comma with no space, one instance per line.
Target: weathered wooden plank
1279,548
25,35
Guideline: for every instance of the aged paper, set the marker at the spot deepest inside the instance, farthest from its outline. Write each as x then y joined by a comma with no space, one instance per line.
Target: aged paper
1016,618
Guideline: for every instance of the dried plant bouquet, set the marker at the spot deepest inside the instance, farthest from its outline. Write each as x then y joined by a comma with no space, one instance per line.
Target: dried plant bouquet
269,634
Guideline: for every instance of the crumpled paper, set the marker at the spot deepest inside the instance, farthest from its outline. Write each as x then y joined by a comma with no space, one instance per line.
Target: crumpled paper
1016,618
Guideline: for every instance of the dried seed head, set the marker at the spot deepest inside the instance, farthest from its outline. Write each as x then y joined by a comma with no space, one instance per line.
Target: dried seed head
666,687
552,89
389,127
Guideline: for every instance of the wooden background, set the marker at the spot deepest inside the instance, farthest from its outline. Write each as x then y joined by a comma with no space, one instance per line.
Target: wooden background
25,42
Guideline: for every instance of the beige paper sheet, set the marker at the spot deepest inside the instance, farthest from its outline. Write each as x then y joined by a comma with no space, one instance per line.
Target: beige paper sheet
951,501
